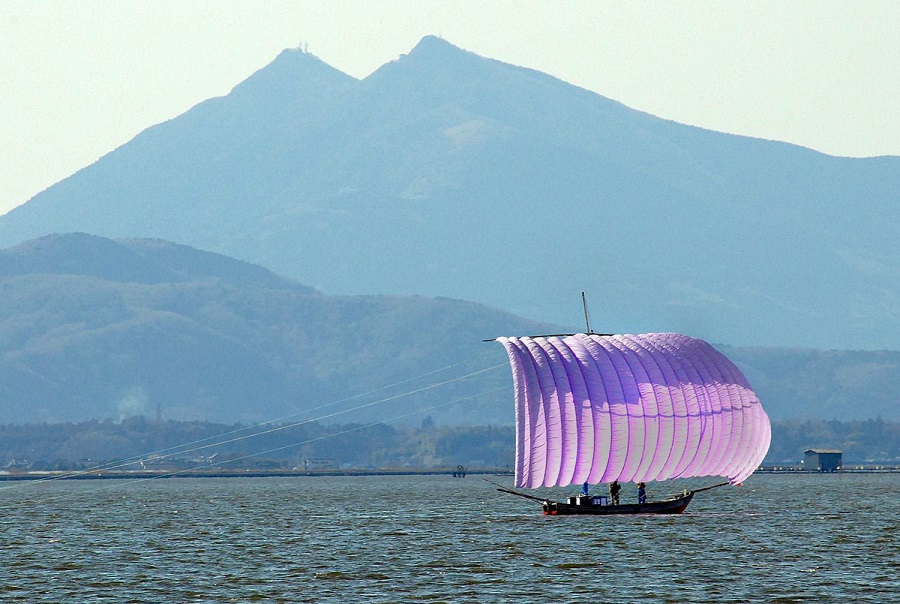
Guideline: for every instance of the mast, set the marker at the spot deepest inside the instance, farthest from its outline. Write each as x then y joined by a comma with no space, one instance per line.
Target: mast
587,321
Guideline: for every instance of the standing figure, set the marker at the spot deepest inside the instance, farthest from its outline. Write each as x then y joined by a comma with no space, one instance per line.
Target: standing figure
642,493
614,489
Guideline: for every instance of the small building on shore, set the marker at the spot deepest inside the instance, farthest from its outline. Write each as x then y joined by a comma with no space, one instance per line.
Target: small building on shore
319,464
823,460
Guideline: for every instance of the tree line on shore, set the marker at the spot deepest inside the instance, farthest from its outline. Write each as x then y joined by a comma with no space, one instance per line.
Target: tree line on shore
139,443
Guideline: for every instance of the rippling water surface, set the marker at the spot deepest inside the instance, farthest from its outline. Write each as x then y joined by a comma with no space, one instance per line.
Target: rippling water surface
821,538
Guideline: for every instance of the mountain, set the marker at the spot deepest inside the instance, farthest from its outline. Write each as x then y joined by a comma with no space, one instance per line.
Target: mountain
447,174
96,328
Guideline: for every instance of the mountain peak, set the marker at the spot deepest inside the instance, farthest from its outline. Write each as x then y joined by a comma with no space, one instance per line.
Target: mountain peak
434,44
292,71
432,59
432,48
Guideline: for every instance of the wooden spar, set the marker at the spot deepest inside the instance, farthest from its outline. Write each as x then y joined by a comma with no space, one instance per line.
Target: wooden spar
503,489
715,486
587,324
525,495
549,335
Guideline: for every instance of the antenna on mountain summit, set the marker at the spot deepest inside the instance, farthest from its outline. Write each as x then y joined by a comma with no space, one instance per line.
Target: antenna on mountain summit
587,321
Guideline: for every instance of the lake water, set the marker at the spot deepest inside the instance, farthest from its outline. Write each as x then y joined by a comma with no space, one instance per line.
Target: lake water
779,538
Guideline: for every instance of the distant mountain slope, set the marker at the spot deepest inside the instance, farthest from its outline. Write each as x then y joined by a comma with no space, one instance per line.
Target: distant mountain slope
93,328
447,174
822,384
99,328
132,261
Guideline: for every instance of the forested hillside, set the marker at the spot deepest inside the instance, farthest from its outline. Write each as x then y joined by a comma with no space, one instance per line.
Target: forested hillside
192,335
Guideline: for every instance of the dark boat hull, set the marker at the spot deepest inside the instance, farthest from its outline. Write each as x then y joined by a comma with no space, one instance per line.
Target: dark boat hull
676,505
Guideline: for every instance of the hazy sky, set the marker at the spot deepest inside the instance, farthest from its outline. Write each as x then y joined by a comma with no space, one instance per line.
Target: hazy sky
81,78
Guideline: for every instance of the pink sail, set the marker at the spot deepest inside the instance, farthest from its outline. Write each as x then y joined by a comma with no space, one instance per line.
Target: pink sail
596,408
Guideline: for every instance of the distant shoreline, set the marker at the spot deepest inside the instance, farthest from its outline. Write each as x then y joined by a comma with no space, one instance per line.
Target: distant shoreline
145,474
856,469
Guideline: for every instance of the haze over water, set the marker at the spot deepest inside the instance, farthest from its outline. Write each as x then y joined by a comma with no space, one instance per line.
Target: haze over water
811,538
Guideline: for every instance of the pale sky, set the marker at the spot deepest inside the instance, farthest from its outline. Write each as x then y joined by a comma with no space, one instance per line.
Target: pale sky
81,78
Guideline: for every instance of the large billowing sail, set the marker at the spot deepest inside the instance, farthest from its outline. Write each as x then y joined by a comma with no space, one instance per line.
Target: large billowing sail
596,408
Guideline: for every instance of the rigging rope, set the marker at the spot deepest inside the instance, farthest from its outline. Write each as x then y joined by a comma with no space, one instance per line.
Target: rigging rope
173,474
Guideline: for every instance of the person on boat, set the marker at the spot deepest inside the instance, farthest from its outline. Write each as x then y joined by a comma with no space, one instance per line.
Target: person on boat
584,489
614,489
642,493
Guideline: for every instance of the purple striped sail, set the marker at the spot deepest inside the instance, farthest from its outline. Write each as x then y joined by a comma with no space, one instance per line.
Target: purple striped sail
597,408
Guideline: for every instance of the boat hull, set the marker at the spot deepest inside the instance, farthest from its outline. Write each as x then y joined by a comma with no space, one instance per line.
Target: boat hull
675,505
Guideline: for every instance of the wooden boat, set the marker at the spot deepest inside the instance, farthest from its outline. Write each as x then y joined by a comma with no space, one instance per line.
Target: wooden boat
597,408
589,505
599,505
